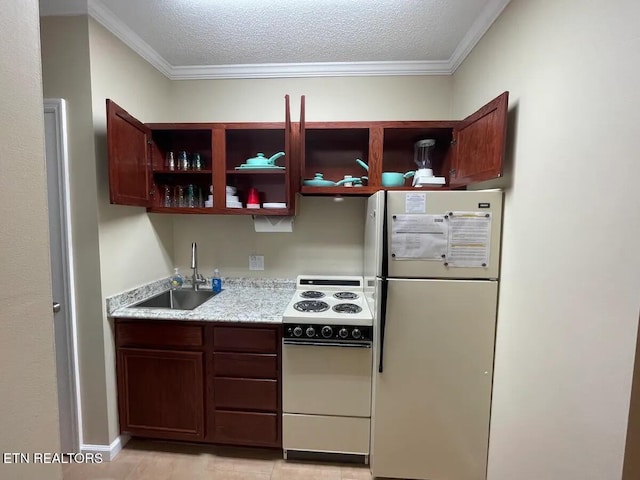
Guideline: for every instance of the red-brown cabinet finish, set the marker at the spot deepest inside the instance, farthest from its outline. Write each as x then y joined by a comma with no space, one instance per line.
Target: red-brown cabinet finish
139,173
479,142
128,143
161,393
466,151
200,381
245,400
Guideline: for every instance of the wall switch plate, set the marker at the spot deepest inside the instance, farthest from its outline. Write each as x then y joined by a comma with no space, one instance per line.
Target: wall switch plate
256,262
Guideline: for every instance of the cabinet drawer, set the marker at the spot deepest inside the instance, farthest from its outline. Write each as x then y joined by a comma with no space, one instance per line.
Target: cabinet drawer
247,428
245,339
244,393
158,334
245,365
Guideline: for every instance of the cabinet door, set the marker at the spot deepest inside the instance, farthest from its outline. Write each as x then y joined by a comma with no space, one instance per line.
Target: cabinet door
479,144
128,143
160,393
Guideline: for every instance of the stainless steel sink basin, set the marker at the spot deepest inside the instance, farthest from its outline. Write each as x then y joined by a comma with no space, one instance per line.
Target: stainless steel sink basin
177,299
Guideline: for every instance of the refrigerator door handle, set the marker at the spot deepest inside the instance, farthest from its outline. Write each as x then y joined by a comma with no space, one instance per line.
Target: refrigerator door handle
383,321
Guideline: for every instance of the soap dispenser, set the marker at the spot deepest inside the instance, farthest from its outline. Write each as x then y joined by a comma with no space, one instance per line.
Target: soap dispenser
176,279
216,281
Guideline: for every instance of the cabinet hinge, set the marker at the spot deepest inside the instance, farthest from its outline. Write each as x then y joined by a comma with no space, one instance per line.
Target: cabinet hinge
452,172
453,141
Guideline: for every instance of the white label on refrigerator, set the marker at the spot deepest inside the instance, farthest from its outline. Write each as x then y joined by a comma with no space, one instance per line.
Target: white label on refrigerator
421,237
469,239
415,202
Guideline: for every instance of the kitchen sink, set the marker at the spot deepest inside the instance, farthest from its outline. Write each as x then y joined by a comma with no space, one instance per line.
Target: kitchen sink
177,299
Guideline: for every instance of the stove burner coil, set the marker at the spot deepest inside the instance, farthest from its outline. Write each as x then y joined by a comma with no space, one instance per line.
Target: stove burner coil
347,308
311,294
346,295
311,306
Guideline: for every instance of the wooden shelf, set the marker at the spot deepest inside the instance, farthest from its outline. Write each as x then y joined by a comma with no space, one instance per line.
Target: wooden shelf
256,211
222,211
353,191
252,171
182,172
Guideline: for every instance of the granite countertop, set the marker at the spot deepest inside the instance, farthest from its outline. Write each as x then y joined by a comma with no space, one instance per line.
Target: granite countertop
241,300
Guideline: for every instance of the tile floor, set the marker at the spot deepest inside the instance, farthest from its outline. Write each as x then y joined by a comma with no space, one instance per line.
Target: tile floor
153,460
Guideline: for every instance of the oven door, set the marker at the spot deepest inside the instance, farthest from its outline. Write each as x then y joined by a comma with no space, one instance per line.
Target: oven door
320,379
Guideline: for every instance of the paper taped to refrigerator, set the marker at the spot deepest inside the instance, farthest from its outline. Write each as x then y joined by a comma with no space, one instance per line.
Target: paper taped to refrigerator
415,202
469,239
419,237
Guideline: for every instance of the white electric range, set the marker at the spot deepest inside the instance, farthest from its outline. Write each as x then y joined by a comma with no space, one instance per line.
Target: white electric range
327,368
328,309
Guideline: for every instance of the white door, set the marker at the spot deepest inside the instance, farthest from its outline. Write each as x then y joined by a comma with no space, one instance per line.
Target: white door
431,406
441,203
61,272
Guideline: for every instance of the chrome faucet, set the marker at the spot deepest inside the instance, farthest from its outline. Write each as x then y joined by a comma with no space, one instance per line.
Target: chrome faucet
196,278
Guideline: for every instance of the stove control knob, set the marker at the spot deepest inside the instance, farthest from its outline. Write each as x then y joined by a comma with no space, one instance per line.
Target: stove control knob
311,332
297,332
356,333
343,333
327,332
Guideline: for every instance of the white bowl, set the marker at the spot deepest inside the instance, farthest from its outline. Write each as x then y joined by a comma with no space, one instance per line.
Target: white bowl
232,198
231,190
234,204
253,205
274,205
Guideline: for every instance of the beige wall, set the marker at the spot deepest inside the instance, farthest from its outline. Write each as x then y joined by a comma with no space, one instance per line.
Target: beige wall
135,248
327,99
327,236
66,74
28,398
568,311
326,239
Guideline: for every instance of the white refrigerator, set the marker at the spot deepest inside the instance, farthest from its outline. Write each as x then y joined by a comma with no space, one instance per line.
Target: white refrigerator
431,266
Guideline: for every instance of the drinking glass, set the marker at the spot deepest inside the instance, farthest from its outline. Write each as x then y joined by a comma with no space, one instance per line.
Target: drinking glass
166,196
191,196
170,162
183,161
178,196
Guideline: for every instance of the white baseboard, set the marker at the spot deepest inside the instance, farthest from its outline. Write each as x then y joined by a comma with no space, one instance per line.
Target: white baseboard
108,452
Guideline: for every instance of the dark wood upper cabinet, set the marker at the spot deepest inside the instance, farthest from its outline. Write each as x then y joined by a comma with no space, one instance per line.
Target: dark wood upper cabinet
141,174
466,151
479,142
128,142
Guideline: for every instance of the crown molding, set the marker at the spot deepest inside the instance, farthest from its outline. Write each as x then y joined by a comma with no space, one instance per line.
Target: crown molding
482,24
107,19
320,69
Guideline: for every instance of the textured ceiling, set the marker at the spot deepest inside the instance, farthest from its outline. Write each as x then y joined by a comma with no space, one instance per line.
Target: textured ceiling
213,33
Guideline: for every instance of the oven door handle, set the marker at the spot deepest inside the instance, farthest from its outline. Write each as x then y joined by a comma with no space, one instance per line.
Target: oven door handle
326,344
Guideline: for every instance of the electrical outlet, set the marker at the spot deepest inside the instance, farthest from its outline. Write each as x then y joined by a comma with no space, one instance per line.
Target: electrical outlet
256,262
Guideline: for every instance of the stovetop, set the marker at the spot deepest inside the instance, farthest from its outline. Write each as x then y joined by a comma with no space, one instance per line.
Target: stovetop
328,300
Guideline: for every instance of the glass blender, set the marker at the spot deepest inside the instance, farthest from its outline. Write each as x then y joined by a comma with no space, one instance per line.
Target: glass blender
422,151
421,155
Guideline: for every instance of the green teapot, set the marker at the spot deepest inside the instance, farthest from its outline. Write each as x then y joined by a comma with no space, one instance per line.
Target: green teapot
262,160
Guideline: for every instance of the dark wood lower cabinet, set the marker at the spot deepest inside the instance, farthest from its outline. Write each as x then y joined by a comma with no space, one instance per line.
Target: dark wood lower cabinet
196,381
161,393
248,428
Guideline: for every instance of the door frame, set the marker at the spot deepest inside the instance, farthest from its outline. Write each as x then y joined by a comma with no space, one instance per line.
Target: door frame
56,107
